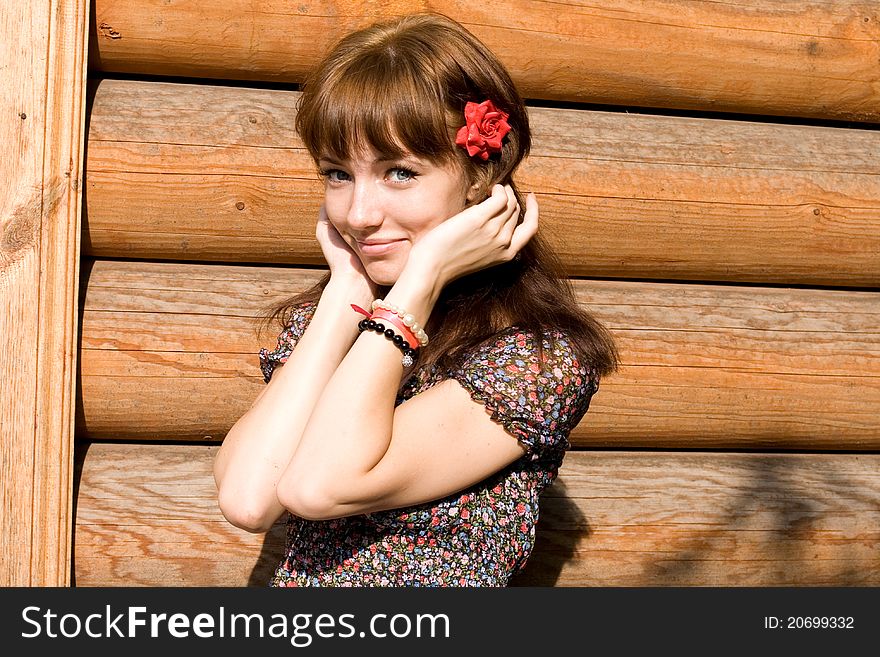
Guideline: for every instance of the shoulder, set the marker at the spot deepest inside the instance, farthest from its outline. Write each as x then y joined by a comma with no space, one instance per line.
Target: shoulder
518,355
300,316
291,332
537,383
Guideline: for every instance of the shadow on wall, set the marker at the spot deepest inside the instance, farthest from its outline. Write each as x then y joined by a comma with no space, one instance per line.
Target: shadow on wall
711,520
554,548
787,522
143,512
270,554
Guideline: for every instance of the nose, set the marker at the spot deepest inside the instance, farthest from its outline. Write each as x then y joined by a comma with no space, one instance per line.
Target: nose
365,211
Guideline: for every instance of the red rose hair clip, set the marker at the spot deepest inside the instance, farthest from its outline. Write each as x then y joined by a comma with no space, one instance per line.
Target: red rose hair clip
484,129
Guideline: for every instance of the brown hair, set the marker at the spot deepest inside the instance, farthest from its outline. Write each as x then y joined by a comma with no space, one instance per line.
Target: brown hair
401,86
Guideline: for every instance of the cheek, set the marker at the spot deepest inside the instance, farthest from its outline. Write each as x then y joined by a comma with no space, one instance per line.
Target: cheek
458,205
452,208
335,209
458,200
441,207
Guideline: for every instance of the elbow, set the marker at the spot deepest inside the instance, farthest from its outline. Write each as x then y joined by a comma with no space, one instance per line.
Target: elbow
308,500
242,512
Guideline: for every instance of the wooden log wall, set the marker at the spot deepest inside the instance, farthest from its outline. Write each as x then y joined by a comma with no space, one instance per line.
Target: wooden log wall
709,366
808,59
612,519
735,258
729,200
42,98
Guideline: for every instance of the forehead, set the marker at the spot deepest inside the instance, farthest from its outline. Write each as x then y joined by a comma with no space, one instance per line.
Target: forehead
368,156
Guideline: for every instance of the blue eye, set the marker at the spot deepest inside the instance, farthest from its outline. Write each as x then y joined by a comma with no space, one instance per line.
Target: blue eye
334,175
402,174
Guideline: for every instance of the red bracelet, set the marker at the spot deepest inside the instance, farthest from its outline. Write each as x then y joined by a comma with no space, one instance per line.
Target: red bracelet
393,318
360,310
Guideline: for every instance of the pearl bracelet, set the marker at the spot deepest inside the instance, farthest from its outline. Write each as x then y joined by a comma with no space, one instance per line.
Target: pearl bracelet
408,320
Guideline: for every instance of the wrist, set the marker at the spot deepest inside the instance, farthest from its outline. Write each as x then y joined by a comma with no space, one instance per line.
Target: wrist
335,306
351,289
416,291
420,281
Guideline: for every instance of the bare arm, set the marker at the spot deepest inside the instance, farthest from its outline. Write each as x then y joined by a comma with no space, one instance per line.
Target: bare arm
259,446
357,453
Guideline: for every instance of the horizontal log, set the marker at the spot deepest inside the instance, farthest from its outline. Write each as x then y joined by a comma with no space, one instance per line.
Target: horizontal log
169,352
759,56
174,536
194,172
147,516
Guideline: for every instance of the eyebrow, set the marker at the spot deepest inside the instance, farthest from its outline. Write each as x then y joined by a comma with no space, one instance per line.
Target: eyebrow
379,160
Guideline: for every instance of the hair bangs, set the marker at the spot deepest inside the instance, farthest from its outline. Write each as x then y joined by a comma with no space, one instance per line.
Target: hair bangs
381,103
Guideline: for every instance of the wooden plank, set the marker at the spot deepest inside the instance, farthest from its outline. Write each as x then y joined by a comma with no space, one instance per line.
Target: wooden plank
42,45
175,535
147,516
710,519
169,352
811,59
200,172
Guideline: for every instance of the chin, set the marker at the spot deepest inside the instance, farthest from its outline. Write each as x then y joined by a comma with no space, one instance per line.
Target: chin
384,274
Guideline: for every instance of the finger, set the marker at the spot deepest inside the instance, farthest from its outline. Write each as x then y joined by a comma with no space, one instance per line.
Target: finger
498,194
489,207
504,196
510,201
527,229
506,213
505,235
488,215
511,197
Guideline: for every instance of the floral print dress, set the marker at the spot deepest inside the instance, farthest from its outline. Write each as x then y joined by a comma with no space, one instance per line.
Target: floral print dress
480,536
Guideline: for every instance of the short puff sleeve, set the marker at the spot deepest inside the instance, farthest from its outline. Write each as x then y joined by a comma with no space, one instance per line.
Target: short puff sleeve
287,339
538,400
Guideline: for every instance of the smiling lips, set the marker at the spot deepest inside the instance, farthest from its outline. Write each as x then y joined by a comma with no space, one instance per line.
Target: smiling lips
377,247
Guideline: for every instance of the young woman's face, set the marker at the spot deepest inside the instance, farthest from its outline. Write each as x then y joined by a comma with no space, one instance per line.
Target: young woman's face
382,207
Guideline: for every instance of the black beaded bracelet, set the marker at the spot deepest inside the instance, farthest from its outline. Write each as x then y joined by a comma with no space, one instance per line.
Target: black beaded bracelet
409,354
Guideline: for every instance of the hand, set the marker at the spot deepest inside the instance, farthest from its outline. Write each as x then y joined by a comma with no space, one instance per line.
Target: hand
478,237
343,261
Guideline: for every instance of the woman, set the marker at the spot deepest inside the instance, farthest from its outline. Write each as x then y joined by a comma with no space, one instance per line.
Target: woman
410,442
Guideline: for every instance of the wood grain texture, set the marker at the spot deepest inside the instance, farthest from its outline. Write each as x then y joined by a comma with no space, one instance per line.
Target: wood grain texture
810,59
200,172
43,48
169,352
709,519
147,516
